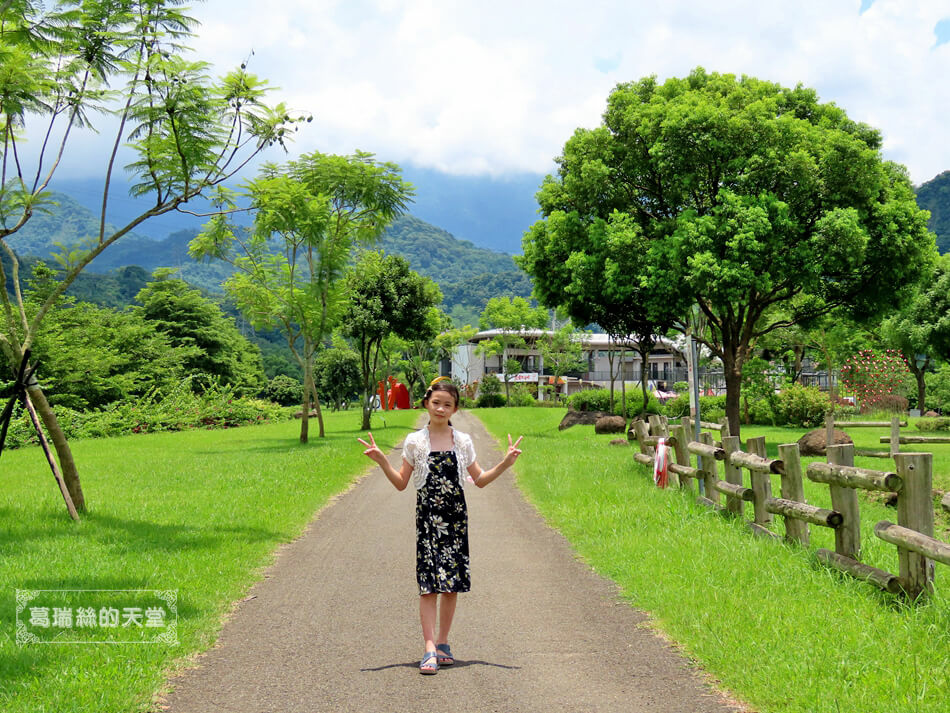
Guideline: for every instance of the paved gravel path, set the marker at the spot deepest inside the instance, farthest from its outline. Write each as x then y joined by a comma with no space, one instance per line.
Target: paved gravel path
334,625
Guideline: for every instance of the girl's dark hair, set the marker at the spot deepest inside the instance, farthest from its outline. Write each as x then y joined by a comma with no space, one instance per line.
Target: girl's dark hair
446,386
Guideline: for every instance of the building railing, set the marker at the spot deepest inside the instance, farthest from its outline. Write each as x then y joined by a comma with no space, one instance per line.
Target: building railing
711,381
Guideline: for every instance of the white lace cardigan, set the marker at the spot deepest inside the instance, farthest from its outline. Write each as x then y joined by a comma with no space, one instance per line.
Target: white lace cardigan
416,451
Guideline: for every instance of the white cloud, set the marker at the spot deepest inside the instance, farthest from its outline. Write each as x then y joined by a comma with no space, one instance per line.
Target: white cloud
497,87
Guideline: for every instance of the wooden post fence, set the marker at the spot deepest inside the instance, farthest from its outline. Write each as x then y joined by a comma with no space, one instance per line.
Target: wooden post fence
845,501
735,497
915,512
913,534
761,481
793,490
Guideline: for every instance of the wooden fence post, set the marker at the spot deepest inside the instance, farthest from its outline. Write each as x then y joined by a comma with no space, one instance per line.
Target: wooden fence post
657,427
681,452
915,511
640,428
761,481
724,431
733,474
845,501
895,435
710,470
793,488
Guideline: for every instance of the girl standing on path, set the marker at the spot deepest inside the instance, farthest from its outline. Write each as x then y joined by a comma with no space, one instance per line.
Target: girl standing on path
436,458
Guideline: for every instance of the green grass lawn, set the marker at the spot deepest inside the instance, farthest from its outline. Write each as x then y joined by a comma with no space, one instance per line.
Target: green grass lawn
781,632
197,511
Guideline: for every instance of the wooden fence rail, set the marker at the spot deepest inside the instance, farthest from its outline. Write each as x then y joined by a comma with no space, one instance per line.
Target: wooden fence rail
913,534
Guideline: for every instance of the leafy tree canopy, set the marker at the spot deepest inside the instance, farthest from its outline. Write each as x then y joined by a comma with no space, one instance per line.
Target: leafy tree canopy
309,215
739,195
91,356
385,297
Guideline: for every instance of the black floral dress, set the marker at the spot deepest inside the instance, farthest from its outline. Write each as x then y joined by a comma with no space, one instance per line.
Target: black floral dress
442,563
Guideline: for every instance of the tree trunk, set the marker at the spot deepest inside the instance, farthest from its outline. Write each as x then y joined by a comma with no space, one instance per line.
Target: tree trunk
921,384
623,386
316,404
305,414
832,384
504,373
367,412
309,396
732,370
799,352
644,363
66,463
610,368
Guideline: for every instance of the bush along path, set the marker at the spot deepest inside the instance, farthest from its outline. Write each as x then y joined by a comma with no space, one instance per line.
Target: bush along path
334,624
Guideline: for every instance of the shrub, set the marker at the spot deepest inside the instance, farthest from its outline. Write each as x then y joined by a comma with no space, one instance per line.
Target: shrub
181,409
599,400
803,406
521,396
876,378
933,424
635,405
843,409
677,407
490,400
938,388
590,400
489,385
712,408
891,403
762,413
284,390
681,387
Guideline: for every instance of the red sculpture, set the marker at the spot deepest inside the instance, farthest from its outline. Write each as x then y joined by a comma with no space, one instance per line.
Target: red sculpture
397,396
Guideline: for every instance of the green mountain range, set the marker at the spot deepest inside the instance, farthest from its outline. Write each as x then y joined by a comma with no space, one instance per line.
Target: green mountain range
934,195
468,275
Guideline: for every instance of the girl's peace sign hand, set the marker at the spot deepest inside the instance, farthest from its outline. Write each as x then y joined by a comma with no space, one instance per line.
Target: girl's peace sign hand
513,451
372,450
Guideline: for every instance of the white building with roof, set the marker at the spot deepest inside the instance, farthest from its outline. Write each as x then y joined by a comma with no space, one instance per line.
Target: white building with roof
666,364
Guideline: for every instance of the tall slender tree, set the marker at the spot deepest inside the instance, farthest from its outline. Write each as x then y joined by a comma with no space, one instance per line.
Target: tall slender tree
510,316
309,215
384,297
63,65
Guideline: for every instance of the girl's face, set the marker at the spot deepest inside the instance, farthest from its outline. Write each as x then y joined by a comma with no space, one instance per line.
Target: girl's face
440,405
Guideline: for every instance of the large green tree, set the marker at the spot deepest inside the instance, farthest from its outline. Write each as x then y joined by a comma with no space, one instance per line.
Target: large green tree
384,297
309,215
747,197
61,63
216,351
336,372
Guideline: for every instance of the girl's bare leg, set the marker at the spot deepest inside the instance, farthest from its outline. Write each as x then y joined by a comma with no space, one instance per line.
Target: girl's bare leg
446,613
427,615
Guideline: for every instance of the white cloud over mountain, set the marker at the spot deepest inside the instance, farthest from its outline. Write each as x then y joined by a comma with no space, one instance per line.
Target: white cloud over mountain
498,86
